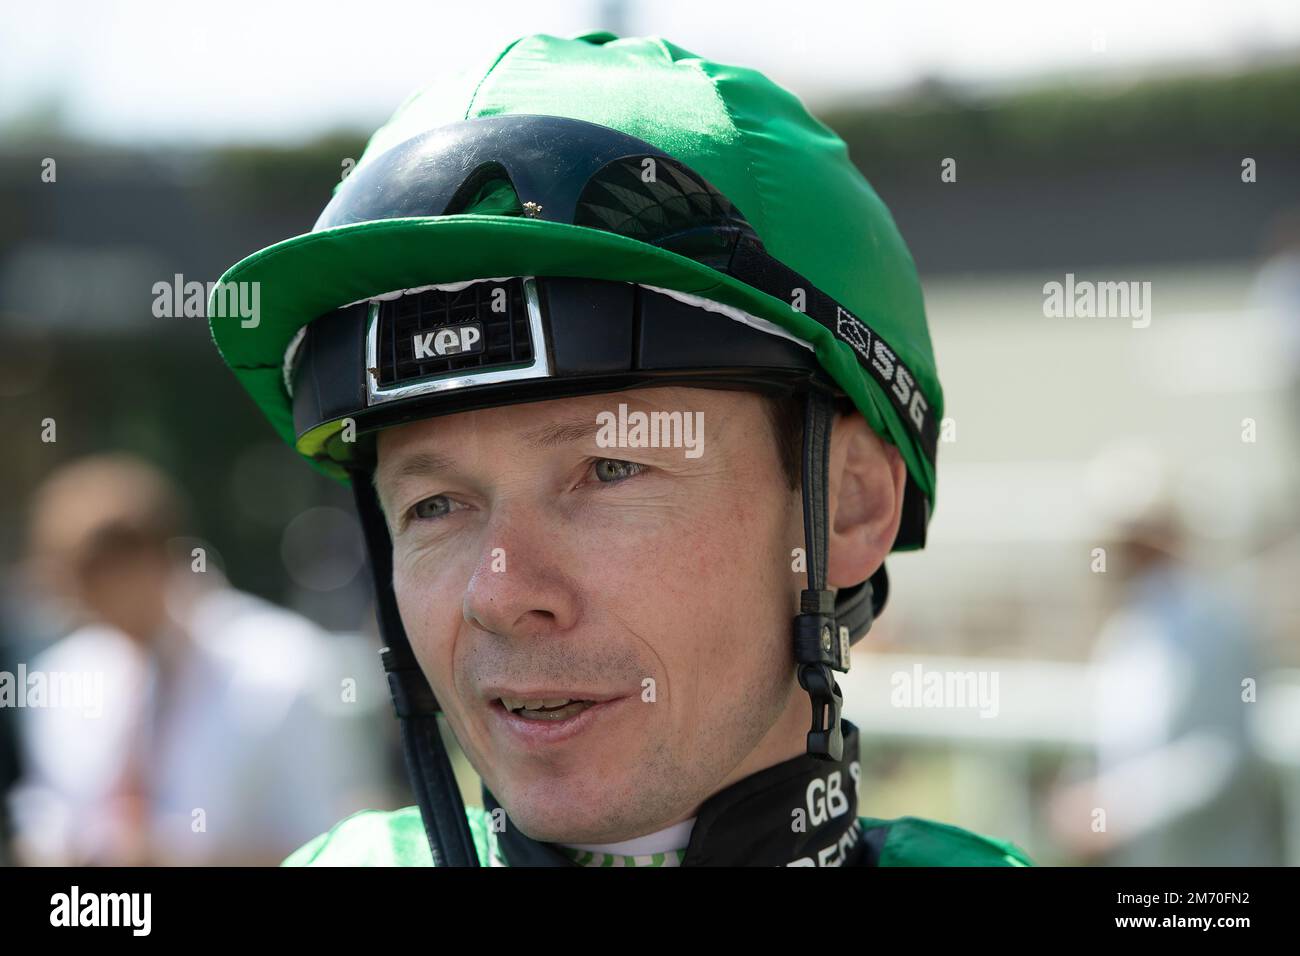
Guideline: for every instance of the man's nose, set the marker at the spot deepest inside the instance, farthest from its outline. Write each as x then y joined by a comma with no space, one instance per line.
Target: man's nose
519,586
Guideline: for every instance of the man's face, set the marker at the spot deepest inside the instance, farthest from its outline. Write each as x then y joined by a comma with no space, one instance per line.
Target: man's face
532,563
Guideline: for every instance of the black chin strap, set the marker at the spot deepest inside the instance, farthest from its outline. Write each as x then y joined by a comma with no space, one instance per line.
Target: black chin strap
821,645
445,825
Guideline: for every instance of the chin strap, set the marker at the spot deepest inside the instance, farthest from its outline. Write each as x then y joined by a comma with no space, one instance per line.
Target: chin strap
821,645
436,792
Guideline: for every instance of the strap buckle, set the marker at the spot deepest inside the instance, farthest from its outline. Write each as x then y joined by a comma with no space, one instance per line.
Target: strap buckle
820,647
826,738
818,638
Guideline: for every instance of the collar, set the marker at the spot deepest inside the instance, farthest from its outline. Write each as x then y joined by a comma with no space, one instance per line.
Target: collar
666,847
802,812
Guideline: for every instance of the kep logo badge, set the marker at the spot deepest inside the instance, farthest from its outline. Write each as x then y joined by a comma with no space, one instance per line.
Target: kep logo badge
466,339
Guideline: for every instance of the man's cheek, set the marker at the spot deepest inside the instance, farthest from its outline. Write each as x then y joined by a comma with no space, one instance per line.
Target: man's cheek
430,623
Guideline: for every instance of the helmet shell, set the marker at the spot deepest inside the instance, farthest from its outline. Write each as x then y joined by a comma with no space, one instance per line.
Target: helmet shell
753,140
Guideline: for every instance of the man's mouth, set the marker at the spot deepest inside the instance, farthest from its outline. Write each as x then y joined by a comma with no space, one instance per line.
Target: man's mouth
561,708
533,719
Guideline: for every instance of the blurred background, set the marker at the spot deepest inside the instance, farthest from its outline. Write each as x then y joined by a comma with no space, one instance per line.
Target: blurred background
1097,655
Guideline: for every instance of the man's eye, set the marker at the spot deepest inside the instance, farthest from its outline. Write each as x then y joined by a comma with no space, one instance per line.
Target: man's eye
611,469
439,506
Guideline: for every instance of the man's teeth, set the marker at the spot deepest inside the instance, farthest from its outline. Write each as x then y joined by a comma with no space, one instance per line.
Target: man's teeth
512,703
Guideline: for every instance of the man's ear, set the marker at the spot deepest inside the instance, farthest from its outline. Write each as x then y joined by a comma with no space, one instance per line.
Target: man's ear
867,478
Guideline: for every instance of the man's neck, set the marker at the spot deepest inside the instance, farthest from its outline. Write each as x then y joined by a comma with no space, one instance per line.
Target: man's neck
801,812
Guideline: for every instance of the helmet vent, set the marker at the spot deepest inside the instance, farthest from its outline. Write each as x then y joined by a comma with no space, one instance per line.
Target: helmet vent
439,332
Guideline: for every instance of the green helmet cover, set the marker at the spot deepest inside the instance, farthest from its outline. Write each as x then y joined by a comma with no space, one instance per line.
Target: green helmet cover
754,141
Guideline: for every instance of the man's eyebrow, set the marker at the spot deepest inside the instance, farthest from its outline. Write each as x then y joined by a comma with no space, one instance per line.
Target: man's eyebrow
561,433
550,435
413,466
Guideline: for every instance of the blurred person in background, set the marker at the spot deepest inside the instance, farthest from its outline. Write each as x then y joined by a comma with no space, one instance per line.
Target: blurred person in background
190,729
1178,779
